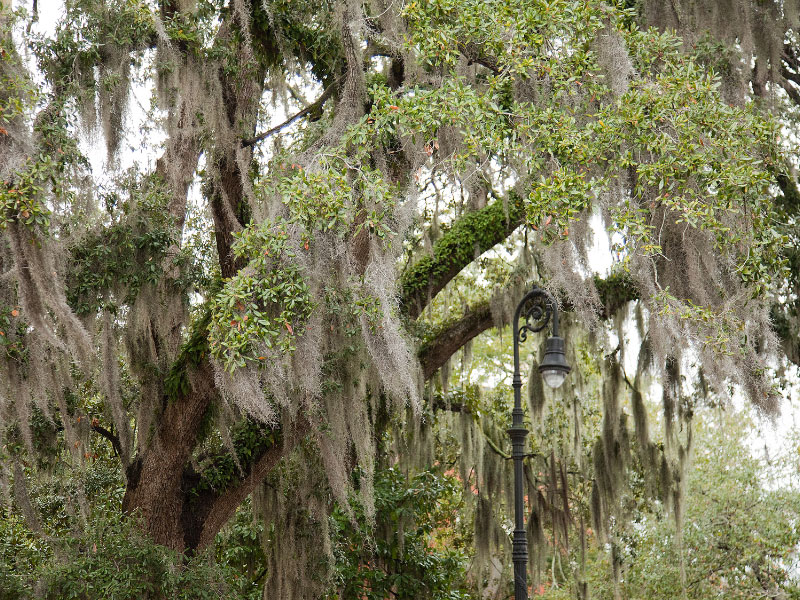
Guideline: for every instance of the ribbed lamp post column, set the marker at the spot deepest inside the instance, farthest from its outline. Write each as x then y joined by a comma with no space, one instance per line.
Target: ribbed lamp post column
537,307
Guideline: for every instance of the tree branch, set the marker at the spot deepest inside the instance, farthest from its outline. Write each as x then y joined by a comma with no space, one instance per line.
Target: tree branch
471,235
474,54
451,337
223,505
315,106
790,89
615,291
96,427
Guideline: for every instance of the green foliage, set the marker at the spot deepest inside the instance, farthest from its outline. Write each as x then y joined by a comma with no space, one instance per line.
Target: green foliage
88,33
21,554
410,554
323,200
21,196
238,546
687,147
176,383
12,334
307,32
706,171
520,32
45,168
114,561
111,266
740,530
616,289
259,308
250,440
110,557
742,524
540,115
18,92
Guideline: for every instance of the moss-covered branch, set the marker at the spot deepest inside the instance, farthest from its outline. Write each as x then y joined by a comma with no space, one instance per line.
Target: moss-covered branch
452,336
471,235
615,291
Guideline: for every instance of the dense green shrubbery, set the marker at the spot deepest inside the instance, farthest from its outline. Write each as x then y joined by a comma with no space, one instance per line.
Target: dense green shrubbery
112,560
109,560
107,557
412,552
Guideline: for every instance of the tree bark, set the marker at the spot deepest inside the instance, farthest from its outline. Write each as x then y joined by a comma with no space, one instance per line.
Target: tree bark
154,487
452,337
204,516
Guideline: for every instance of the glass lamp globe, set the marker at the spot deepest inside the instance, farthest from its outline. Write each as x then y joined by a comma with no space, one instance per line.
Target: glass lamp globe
554,378
554,367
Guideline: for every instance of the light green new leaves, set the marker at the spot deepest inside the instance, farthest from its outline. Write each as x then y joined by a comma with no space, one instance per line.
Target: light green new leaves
264,307
671,137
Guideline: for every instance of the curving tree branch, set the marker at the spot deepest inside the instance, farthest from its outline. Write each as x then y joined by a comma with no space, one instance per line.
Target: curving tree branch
471,235
451,338
313,108
111,437
615,291
217,507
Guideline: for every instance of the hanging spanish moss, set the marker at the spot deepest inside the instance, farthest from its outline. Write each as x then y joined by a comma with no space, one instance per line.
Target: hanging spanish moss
756,29
113,88
111,388
297,541
296,322
41,295
23,500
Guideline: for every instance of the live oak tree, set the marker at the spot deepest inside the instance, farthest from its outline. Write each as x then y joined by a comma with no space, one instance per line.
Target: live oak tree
270,303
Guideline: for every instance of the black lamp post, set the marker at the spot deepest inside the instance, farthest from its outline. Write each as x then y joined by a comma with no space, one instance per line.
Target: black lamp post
537,307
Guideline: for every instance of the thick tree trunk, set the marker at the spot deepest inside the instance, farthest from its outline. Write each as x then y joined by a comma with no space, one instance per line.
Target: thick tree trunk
155,478
163,486
160,479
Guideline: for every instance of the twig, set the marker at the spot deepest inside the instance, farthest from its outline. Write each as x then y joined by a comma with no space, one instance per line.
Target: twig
316,105
110,437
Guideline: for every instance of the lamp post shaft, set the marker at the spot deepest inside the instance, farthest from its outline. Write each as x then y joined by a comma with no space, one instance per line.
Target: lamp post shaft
540,306
518,435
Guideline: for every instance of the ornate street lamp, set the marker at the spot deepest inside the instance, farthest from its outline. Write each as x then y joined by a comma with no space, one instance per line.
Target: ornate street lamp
536,308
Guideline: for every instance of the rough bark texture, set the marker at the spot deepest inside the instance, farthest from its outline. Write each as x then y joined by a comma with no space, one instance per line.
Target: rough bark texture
225,195
452,337
157,478
205,516
154,478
